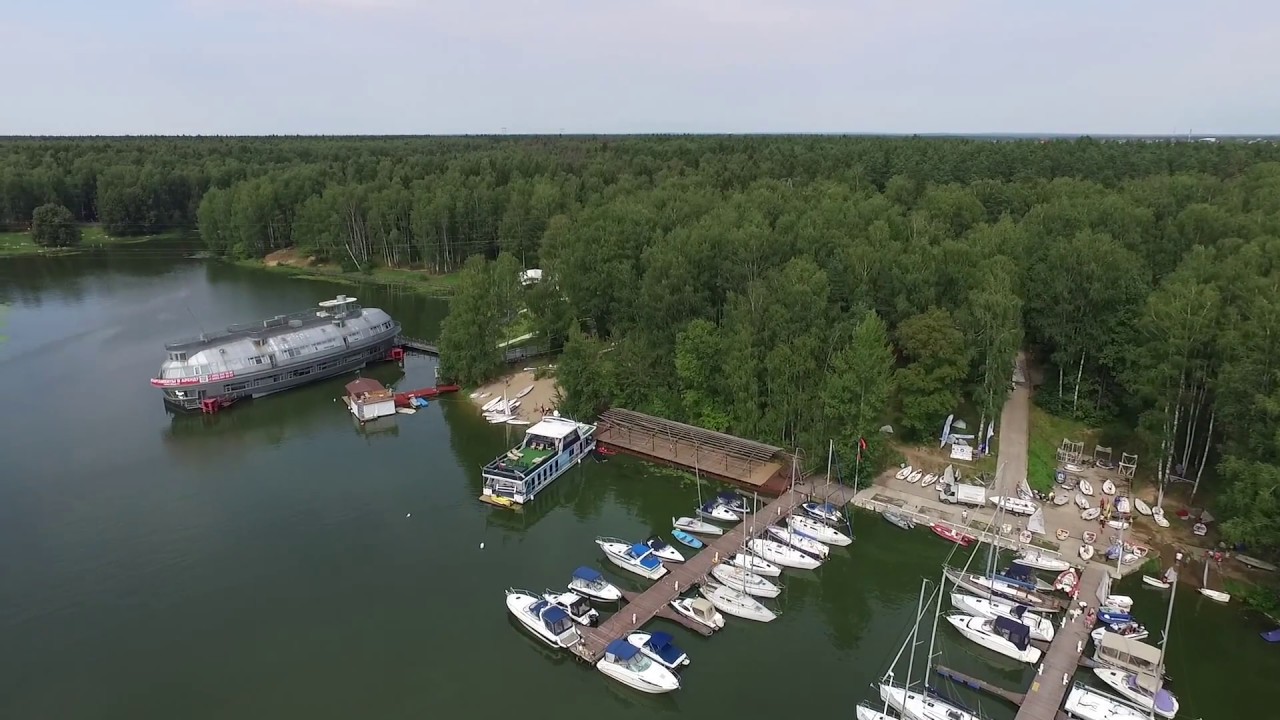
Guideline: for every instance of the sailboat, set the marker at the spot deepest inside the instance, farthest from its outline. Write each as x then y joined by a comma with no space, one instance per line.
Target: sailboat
1215,595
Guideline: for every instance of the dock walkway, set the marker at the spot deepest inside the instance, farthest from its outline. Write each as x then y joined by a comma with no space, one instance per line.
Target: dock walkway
681,577
1053,677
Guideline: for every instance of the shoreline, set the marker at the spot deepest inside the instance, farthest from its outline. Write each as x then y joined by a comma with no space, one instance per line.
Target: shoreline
542,394
288,262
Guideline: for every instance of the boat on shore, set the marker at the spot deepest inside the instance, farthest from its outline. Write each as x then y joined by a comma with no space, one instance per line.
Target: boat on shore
1015,505
549,448
1034,558
1255,563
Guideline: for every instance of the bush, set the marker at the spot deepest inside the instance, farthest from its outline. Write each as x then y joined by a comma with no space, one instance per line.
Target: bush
54,226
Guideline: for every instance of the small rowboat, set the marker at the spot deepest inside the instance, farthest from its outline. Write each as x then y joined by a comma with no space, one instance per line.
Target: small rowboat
686,539
1254,562
1141,506
949,533
1215,595
904,473
1089,537
1061,498
1157,514
1086,487
525,391
1086,552
928,480
1081,502
1155,582
915,476
1108,488
1090,514
1062,534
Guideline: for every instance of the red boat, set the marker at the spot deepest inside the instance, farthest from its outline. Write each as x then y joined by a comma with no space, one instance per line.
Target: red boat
946,532
605,450
405,399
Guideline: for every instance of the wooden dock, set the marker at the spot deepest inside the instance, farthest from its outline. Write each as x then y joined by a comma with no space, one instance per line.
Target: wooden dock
746,463
686,576
974,683
417,345
1053,676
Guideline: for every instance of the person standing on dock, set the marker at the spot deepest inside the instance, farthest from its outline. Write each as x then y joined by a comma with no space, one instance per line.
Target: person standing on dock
964,516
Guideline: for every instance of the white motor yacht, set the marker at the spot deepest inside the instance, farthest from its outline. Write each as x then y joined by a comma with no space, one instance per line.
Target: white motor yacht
818,530
625,663
784,555
590,583
550,624
632,557
1004,635
1144,690
1086,703
718,512
991,608
578,607
737,603
664,551
745,580
696,526
660,647
759,566
700,611
799,541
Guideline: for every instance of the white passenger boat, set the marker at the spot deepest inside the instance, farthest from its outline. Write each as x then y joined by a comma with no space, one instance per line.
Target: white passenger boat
696,526
700,611
1014,505
590,583
757,565
818,530
550,624
1032,557
549,448
745,580
632,557
625,663
664,551
799,541
991,608
659,647
1145,691
780,554
578,607
1004,635
737,603
1085,703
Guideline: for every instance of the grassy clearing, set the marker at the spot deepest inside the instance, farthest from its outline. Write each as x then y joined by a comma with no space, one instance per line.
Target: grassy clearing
417,280
91,236
1047,432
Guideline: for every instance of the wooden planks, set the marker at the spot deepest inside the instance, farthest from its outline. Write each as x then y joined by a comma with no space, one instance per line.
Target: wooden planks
688,434
1053,678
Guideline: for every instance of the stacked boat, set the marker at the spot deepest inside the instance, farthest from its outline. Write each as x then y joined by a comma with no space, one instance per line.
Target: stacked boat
500,410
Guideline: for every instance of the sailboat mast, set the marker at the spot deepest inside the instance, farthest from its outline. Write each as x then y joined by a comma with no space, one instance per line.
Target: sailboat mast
1168,620
928,664
831,451
915,633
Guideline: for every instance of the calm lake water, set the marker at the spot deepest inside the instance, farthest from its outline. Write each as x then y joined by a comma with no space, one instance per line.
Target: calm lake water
276,562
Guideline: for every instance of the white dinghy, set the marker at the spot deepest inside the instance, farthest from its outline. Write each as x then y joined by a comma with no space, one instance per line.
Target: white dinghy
632,557
799,541
1157,514
696,526
745,580
915,476
737,603
757,565
625,663
1004,635
780,554
1086,487
1041,561
548,623
1108,487
578,607
700,611
1082,502
904,473
1091,514
1141,506
1086,552
1041,627
589,582
818,531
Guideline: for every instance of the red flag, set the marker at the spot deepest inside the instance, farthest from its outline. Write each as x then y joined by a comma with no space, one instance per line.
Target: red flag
862,443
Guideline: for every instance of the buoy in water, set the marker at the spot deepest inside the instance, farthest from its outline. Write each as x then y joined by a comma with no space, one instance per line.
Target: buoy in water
481,546
408,514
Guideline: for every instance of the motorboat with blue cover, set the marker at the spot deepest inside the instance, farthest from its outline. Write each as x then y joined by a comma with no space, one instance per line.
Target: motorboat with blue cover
550,624
578,607
589,582
713,510
734,502
826,512
625,663
1004,635
632,557
991,608
663,550
660,647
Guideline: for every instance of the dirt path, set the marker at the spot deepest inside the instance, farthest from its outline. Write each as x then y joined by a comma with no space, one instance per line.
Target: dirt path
1015,436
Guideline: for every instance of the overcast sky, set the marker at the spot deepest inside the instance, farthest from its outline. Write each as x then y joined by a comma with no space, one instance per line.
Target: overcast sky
638,66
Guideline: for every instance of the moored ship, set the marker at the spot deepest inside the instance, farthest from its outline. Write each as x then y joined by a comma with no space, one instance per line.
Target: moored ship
256,359
550,447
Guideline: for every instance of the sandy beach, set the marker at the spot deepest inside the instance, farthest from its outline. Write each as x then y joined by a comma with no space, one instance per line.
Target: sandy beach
543,394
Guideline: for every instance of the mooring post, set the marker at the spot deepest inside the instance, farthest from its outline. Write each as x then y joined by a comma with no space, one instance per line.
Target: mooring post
1040,669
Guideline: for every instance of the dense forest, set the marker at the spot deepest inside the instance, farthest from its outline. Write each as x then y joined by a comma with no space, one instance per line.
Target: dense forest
785,288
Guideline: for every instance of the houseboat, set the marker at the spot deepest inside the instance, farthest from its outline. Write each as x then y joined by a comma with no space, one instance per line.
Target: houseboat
256,359
550,447
367,399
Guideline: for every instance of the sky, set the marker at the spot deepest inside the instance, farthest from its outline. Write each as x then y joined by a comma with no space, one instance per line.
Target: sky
255,67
